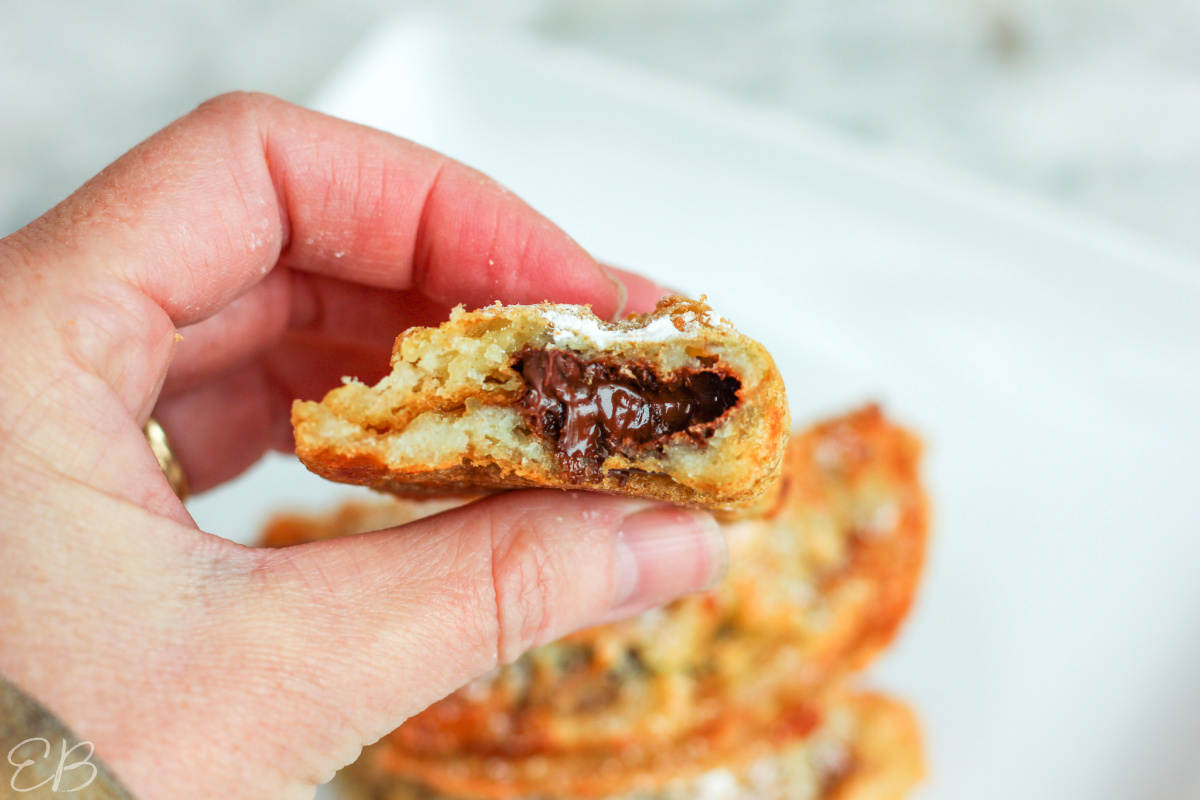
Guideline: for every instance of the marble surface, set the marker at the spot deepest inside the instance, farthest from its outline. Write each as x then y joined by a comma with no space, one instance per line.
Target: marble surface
1095,103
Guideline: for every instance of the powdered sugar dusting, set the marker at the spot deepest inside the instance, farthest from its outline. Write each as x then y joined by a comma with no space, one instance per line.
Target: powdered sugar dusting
569,327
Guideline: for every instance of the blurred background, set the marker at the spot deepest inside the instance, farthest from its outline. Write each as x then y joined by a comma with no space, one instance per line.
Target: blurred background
1053,373
1093,103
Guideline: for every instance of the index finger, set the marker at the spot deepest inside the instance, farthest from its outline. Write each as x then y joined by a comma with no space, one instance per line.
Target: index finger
201,211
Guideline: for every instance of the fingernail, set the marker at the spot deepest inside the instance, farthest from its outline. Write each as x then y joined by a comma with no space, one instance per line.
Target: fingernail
622,291
666,552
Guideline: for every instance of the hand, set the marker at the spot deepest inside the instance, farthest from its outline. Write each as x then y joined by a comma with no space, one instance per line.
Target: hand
288,249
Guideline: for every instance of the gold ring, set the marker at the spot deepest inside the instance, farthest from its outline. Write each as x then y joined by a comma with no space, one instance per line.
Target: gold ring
167,461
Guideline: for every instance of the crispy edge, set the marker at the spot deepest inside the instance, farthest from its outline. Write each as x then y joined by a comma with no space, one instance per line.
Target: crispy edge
888,759
470,480
893,564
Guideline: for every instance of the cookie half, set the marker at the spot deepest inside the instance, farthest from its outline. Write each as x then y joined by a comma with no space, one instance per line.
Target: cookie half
674,405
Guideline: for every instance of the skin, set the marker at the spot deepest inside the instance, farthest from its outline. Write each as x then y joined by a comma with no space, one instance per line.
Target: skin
288,249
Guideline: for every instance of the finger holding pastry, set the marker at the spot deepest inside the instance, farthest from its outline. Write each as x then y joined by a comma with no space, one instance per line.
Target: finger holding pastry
283,247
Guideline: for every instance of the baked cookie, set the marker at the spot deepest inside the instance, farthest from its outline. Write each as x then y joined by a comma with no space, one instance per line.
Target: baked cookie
674,405
859,746
818,584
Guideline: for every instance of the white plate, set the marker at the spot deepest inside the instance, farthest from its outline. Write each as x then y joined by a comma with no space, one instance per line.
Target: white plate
1053,367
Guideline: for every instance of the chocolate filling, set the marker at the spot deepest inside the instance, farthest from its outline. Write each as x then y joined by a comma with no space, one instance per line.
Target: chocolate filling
592,408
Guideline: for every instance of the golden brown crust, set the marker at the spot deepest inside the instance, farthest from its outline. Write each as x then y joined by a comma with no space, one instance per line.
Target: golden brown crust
859,746
447,420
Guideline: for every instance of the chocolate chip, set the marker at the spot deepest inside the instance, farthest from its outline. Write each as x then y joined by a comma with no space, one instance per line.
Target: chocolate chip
595,407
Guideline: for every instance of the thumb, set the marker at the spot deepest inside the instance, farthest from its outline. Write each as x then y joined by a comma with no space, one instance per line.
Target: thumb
386,623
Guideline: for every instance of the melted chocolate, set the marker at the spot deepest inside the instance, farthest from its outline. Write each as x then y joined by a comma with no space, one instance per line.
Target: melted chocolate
593,408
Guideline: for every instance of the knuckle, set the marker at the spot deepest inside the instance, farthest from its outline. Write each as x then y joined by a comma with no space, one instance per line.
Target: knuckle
527,578
108,319
237,104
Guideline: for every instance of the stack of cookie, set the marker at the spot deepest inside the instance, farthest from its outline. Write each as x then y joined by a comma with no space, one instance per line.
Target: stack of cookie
737,694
